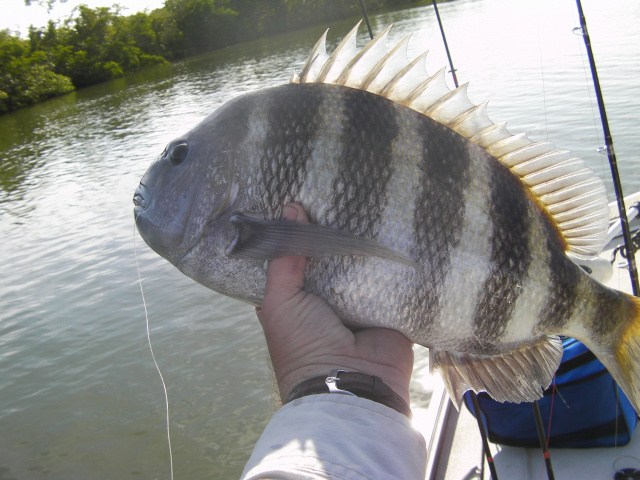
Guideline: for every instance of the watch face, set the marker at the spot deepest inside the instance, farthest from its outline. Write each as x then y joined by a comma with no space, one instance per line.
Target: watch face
627,474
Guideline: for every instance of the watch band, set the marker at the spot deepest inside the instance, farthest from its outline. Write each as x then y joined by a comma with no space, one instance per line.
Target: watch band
357,384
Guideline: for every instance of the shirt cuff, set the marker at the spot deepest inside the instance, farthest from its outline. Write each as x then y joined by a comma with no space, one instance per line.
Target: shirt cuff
332,436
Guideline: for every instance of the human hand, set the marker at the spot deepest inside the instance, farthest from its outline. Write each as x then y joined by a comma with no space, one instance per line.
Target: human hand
306,339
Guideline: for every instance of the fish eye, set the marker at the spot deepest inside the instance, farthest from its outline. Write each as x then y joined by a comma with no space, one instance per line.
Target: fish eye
179,153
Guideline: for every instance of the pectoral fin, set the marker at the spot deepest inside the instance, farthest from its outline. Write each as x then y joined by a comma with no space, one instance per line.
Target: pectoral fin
517,376
266,239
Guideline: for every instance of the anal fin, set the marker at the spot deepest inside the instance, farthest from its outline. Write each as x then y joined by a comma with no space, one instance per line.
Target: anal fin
517,376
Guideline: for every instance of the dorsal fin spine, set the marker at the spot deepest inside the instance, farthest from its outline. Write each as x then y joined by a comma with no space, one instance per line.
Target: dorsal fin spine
566,189
388,89
568,208
491,135
331,69
428,92
509,144
451,105
554,171
568,184
538,162
317,58
420,89
377,74
565,213
375,48
473,121
520,158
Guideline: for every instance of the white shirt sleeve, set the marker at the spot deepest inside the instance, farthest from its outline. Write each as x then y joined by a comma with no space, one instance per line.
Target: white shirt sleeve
337,437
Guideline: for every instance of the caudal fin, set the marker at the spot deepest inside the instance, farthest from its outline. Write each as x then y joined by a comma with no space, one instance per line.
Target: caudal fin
620,350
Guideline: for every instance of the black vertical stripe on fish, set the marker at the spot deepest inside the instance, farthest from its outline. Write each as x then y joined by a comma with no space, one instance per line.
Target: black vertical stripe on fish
440,206
292,122
618,309
510,255
365,163
564,284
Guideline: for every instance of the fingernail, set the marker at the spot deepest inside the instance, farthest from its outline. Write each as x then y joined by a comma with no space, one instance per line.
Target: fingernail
289,212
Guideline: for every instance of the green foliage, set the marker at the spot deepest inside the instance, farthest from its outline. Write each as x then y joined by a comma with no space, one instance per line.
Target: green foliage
199,25
26,77
99,44
102,45
42,3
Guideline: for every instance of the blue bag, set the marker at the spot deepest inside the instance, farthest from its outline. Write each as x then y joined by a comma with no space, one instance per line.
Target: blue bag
589,409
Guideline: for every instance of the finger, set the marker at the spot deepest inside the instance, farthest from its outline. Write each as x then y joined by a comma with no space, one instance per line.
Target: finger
285,276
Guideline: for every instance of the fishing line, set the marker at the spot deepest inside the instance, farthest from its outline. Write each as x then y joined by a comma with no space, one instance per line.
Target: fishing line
577,31
164,386
544,92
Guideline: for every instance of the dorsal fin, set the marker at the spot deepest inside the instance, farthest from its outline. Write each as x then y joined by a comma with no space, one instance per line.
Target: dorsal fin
571,194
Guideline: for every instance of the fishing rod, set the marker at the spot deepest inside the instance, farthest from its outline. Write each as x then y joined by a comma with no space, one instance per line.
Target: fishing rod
543,439
617,185
446,45
366,18
483,435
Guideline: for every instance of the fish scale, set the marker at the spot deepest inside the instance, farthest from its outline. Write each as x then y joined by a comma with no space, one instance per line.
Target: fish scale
510,215
563,291
369,132
439,214
425,217
288,140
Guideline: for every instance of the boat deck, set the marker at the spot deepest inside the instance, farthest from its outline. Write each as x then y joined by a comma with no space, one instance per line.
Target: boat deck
460,457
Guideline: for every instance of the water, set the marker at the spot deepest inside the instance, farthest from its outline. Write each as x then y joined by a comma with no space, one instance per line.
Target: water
79,395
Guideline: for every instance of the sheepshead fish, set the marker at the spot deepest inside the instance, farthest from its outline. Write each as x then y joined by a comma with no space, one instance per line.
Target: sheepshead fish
425,217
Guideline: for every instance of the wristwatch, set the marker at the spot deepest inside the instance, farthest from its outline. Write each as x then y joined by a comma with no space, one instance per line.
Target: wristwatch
356,384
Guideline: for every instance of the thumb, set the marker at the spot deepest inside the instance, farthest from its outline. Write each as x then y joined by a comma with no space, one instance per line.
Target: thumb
285,276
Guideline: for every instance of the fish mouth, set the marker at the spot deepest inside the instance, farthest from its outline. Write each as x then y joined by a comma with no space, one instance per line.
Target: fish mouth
141,200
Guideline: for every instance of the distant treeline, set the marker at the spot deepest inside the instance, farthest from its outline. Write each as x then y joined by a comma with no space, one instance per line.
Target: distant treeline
100,44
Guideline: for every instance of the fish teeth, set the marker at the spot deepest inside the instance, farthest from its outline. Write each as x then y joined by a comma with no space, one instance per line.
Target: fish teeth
556,177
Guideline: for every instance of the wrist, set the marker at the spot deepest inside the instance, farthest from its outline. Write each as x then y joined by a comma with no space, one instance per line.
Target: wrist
289,378
344,382
289,382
